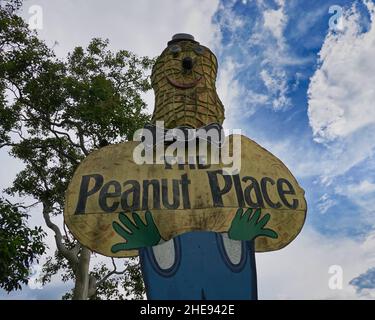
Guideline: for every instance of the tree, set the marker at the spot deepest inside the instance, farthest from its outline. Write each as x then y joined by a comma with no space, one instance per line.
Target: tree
53,113
20,246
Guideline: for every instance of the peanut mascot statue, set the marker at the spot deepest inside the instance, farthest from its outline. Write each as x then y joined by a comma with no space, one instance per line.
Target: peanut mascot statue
196,265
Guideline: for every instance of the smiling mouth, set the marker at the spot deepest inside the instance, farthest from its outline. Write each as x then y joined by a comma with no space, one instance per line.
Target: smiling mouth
183,85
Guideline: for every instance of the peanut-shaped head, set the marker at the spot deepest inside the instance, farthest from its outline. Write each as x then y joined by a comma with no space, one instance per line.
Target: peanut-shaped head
183,79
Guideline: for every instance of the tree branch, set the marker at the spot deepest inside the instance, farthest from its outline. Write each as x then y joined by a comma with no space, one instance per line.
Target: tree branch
82,142
70,254
94,284
8,144
56,132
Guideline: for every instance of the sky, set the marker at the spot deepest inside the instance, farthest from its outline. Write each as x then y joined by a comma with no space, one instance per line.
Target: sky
295,76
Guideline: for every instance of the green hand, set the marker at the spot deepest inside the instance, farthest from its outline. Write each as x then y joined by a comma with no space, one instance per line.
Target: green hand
140,235
247,226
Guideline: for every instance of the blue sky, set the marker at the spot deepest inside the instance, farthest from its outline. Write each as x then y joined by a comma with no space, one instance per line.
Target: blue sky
276,45
298,87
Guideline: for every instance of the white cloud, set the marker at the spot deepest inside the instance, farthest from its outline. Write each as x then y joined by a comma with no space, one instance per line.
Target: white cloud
275,81
363,188
276,56
138,25
341,92
236,98
328,161
362,194
228,88
141,26
275,21
325,202
341,111
228,18
260,48
301,270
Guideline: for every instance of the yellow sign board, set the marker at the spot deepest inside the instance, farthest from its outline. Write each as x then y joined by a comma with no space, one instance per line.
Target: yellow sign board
181,198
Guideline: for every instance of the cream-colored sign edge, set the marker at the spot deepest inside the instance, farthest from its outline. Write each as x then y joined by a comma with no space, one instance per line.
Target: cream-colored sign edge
180,221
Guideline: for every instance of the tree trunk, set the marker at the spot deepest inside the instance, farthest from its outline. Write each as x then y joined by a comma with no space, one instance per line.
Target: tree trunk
82,276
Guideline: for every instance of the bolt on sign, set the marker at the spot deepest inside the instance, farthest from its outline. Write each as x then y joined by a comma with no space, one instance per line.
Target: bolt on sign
181,197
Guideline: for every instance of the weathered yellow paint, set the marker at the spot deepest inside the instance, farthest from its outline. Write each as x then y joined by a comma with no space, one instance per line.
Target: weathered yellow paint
115,162
182,98
195,106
